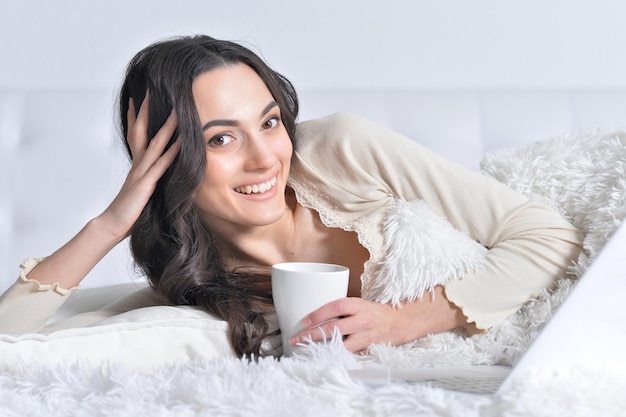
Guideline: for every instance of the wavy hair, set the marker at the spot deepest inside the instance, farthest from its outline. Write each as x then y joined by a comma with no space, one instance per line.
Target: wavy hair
170,244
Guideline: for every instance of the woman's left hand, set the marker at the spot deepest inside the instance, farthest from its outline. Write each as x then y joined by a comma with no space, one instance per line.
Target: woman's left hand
363,322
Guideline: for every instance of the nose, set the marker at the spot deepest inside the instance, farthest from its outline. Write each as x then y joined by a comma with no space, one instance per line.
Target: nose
260,154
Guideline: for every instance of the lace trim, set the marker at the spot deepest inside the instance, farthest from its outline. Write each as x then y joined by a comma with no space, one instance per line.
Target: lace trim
28,266
309,196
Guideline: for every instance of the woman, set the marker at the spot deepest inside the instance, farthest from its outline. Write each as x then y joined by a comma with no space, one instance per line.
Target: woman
223,184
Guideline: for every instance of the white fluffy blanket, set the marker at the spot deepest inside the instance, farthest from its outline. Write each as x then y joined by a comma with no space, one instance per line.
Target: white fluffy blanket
583,177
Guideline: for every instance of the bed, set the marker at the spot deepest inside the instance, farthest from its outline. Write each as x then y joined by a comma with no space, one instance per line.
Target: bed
564,148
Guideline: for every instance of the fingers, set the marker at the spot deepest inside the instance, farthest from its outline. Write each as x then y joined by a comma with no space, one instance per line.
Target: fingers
341,314
148,168
130,114
351,328
151,157
164,161
334,309
137,128
138,140
161,139
359,321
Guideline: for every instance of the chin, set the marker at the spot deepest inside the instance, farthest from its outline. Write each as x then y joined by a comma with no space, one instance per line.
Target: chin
267,220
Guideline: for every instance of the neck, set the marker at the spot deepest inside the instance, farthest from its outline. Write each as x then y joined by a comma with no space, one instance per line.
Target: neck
260,245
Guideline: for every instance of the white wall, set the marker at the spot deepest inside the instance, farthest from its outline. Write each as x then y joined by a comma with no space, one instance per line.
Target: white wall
432,44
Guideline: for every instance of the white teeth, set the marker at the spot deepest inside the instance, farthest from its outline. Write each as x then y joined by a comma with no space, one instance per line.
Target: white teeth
257,188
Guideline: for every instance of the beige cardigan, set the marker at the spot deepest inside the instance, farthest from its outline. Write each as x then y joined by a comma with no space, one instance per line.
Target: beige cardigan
351,171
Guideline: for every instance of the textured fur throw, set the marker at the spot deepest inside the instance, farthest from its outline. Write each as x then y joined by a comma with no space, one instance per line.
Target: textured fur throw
423,250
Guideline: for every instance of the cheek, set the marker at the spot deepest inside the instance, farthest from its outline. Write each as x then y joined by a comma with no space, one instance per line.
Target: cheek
286,148
284,153
219,170
215,185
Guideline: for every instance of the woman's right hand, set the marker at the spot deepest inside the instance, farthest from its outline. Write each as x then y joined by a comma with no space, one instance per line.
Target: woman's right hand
150,161
72,262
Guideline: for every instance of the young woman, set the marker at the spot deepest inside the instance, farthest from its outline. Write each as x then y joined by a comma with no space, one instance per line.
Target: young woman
224,183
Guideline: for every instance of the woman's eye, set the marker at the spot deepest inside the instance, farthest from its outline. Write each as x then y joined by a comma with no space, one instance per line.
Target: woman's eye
220,140
271,122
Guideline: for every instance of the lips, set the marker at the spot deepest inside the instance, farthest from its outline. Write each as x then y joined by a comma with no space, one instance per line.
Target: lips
257,188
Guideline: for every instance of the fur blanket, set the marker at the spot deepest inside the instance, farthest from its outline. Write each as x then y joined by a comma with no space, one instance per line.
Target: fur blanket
583,177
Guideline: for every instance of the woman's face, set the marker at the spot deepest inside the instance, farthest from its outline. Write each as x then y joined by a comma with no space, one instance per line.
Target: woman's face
248,150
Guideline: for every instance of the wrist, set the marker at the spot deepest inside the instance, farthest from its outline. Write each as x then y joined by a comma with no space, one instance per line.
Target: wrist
451,315
106,231
431,314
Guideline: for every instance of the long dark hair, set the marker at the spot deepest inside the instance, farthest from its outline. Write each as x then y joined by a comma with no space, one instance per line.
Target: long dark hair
177,251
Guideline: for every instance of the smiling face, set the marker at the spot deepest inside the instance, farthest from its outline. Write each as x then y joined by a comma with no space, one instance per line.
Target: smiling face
248,151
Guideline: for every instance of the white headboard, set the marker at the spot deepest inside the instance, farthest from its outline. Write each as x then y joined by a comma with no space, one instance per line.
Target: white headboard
61,161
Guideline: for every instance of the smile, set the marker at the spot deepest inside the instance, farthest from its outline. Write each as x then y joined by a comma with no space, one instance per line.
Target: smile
257,188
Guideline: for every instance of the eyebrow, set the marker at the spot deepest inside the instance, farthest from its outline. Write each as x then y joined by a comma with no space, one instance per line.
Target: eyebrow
228,122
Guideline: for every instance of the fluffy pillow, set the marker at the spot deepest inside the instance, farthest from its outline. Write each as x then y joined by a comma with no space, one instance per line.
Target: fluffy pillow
140,338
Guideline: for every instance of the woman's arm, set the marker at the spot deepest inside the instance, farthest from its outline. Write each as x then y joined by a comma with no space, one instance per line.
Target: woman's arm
530,245
28,303
71,263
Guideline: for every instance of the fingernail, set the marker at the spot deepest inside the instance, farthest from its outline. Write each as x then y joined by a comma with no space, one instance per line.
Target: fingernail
294,341
307,322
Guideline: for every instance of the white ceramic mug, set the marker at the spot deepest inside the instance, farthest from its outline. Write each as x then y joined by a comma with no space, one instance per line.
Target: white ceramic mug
300,288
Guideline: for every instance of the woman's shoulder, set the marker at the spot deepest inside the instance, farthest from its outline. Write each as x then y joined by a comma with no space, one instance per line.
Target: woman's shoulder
332,126
335,133
324,142
350,135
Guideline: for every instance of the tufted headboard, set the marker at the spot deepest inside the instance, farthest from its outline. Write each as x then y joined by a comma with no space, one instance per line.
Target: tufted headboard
61,161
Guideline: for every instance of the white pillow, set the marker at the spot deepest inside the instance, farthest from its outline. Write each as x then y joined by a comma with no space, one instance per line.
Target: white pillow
140,339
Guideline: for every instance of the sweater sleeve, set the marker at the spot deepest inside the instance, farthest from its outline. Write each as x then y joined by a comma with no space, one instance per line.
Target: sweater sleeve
26,306
530,245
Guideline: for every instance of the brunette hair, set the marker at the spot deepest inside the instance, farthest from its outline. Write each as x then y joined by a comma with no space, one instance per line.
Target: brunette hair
169,242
